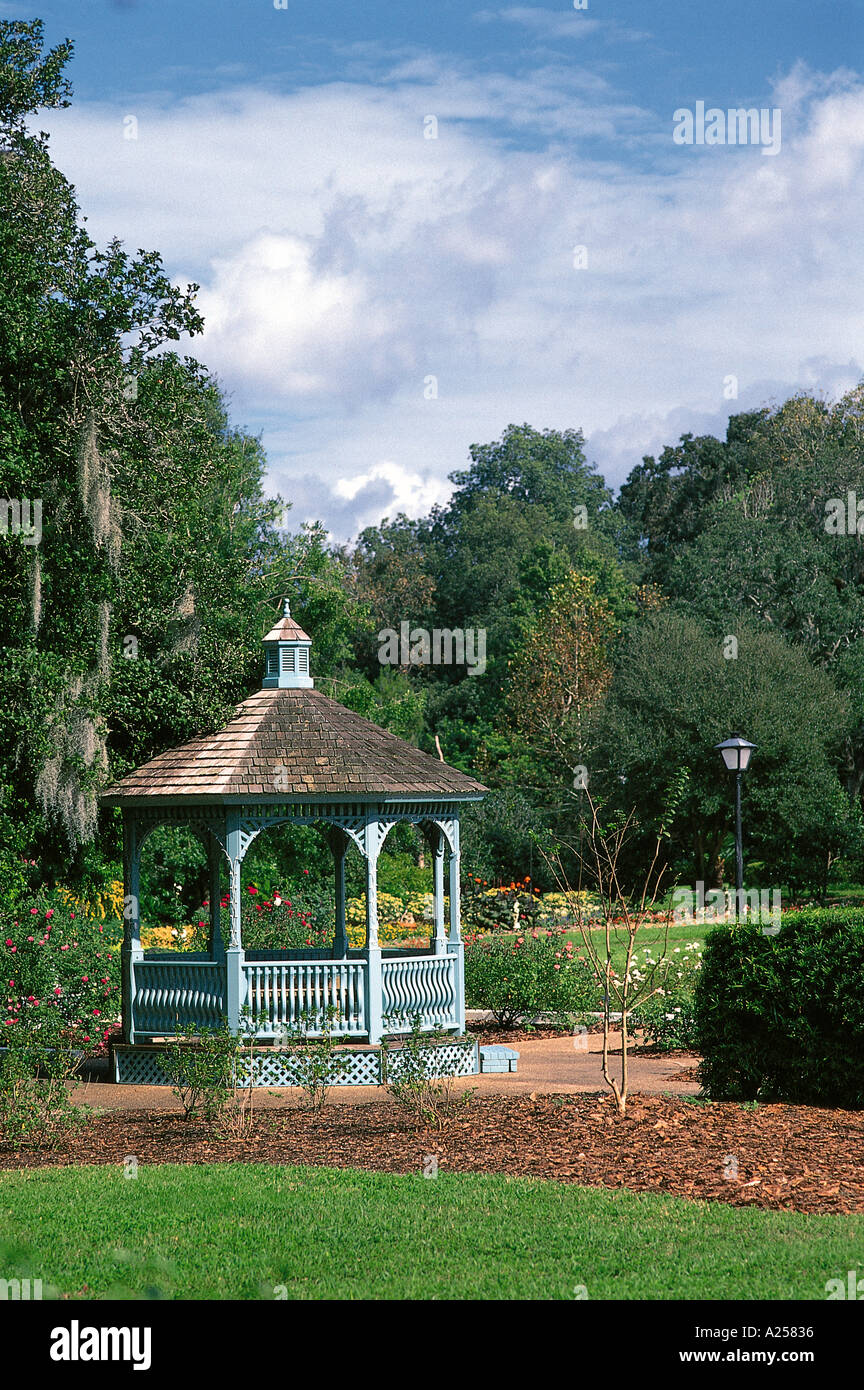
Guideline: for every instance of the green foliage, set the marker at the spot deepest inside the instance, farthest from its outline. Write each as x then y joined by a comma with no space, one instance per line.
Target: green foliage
419,1079
519,977
778,1017
668,1015
502,835
35,1104
505,909
674,696
317,1054
202,1068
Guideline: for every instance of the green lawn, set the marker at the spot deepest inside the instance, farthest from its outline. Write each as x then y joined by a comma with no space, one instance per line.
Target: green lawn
238,1231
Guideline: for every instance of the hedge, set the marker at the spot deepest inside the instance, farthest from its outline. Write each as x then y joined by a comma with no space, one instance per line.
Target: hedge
781,1018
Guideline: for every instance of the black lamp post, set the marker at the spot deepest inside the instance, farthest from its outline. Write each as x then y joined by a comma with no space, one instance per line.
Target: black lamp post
736,753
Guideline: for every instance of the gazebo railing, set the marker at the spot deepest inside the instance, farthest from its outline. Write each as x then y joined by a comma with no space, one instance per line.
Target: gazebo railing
292,994
169,996
173,992
419,986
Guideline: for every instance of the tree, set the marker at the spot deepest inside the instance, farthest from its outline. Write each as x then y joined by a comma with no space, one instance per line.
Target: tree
674,695
562,672
133,620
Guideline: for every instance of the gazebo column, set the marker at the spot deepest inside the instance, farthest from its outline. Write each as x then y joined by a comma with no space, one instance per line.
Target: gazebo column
437,845
455,944
131,951
214,864
374,984
339,846
235,985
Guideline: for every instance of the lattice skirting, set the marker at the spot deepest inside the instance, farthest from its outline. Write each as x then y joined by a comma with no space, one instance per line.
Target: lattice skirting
358,1066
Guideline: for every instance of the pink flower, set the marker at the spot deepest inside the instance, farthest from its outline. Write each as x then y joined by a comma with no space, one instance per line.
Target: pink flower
29,938
57,989
33,911
8,941
49,913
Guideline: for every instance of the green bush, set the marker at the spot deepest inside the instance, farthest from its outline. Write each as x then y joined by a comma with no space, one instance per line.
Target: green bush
59,974
318,1055
780,1018
35,1104
505,909
299,916
518,977
201,1067
419,1078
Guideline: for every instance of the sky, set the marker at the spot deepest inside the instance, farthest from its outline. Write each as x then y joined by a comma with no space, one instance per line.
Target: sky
414,224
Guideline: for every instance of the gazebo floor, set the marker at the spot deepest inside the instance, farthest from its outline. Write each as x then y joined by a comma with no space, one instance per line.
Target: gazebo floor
355,1064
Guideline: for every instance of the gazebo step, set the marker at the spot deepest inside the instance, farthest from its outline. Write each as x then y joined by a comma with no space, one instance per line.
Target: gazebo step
143,1064
497,1058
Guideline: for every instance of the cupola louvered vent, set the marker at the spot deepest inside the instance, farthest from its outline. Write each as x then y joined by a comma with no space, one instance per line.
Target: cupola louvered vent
286,655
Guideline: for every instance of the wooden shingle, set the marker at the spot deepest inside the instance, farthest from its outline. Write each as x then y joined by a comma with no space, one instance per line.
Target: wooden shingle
294,743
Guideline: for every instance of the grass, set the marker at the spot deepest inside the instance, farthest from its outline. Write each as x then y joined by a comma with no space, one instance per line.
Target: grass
242,1231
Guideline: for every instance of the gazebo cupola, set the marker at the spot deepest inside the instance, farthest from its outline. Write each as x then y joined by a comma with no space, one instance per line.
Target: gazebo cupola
286,655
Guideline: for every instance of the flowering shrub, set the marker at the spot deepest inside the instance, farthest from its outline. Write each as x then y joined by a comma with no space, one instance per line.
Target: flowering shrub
35,1102
557,909
511,907
287,923
537,972
59,977
307,918
667,1015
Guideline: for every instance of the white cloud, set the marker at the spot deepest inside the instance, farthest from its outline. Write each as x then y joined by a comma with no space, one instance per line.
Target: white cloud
344,258
549,24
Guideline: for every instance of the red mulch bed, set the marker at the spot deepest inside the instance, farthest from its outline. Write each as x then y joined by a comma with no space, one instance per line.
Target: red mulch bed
795,1158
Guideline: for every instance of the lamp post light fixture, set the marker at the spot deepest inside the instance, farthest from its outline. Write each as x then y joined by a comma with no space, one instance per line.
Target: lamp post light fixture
736,752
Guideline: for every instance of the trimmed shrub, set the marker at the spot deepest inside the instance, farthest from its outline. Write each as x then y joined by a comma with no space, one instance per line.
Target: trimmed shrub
781,1018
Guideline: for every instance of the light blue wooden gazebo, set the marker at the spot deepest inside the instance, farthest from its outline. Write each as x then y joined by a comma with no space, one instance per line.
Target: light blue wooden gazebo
292,755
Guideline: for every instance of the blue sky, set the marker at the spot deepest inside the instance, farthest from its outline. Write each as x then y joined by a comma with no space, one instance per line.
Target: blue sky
377,300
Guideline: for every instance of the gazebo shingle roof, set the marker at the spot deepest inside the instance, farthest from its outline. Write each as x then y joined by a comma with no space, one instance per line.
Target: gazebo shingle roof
294,743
